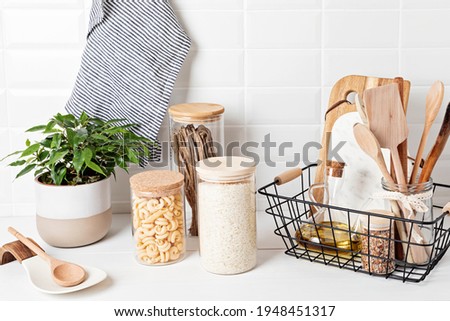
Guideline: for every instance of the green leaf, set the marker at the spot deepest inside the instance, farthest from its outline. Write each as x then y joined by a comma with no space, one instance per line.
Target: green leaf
78,160
83,118
49,127
99,137
80,136
43,155
9,155
30,150
95,167
17,163
56,156
47,142
26,170
27,143
70,136
60,176
39,172
56,141
87,155
36,128
132,156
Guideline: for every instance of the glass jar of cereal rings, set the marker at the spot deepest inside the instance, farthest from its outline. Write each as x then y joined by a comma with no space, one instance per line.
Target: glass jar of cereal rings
158,217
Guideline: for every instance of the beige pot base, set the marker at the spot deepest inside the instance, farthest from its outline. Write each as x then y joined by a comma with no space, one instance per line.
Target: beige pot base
74,232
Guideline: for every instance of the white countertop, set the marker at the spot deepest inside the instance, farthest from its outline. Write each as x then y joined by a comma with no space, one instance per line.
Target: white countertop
276,276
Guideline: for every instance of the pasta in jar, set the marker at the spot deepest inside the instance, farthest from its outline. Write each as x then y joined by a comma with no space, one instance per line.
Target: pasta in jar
158,218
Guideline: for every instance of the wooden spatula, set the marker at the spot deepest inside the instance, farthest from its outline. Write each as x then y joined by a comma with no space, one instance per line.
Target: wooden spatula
387,121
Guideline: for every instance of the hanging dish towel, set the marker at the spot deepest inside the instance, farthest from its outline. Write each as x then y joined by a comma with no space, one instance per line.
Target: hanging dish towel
134,52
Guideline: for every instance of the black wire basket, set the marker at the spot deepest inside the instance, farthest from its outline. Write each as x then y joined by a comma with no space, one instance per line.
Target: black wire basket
292,213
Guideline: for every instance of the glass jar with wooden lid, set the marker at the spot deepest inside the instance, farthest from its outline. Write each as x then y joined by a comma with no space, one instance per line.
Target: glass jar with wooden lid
196,133
227,214
158,218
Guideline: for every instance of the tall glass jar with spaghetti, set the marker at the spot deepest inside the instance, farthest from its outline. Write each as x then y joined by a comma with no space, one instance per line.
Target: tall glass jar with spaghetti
196,133
158,218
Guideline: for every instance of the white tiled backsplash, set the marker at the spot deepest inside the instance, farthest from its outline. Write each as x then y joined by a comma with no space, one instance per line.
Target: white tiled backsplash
271,63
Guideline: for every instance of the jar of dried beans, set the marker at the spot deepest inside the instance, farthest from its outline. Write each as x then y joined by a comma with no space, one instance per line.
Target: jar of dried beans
158,218
227,214
196,133
378,242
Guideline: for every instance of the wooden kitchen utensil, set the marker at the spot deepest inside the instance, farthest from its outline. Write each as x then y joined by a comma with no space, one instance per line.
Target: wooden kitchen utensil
433,104
64,273
403,147
437,148
387,121
370,145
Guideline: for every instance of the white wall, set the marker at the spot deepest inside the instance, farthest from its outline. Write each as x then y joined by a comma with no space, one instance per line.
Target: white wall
271,63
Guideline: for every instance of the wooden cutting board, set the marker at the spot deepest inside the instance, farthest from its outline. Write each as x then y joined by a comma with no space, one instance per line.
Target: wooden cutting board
339,105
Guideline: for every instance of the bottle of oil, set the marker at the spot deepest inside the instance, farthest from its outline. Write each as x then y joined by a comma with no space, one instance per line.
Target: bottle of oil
328,230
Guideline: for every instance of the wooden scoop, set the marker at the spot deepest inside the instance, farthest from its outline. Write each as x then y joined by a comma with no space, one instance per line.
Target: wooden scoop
63,273
433,104
387,121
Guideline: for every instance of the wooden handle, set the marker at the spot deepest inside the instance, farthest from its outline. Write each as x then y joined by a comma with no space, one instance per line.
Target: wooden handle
437,149
288,176
401,180
36,249
15,251
419,155
446,208
403,147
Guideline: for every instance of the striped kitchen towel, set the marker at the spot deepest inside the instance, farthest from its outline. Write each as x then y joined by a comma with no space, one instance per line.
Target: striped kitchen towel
134,52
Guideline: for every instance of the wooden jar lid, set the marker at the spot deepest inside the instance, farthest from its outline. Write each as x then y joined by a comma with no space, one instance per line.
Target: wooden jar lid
225,168
335,169
195,111
156,181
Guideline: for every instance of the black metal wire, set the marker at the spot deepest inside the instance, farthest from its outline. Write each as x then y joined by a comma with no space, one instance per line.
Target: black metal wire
290,213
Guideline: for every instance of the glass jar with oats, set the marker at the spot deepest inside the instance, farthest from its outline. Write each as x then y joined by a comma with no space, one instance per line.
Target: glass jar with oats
227,214
158,221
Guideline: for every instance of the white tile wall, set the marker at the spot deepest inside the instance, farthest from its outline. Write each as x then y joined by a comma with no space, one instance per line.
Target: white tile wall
271,63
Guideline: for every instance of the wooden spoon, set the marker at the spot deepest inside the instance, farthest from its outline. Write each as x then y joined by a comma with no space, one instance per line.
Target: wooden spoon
387,121
370,145
437,149
433,104
64,273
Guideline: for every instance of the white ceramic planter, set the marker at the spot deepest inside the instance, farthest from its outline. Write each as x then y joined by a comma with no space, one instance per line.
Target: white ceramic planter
71,216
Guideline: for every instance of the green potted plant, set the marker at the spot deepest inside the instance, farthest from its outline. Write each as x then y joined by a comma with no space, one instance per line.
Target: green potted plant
73,166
